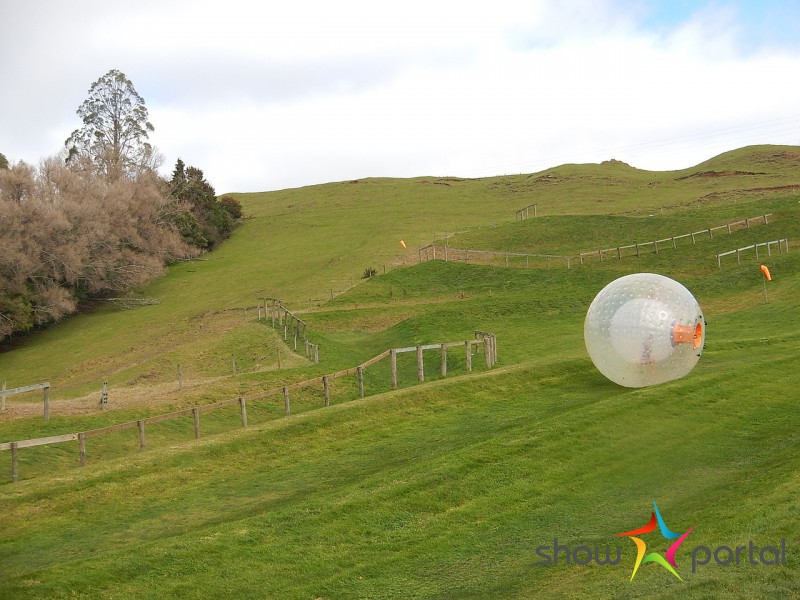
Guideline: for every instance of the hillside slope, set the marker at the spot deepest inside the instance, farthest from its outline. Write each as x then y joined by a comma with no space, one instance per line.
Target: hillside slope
448,489
308,245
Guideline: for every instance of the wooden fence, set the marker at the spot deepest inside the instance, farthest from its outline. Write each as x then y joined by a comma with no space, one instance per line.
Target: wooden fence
293,326
448,253
525,213
653,246
443,251
482,339
45,387
782,243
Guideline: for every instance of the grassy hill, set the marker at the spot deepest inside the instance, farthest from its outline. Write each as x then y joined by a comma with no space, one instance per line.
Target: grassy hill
443,490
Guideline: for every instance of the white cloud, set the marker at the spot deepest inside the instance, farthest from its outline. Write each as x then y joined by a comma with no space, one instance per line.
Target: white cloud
264,95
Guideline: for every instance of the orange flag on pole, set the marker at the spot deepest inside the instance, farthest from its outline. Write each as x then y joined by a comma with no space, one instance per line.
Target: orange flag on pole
765,271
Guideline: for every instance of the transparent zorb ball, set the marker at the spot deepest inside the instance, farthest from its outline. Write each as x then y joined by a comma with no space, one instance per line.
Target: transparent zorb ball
644,329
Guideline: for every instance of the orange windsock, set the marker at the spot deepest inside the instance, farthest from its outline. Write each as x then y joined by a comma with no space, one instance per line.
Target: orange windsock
766,272
403,244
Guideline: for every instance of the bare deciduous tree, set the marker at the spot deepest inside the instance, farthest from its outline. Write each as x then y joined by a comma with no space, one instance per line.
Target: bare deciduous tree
69,233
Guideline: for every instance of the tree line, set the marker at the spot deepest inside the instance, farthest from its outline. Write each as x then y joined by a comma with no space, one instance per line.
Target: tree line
97,219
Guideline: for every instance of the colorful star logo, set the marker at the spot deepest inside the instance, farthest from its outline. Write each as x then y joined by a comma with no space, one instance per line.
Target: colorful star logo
668,560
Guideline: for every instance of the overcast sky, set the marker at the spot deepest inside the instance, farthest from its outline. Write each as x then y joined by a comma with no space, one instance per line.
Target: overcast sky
265,95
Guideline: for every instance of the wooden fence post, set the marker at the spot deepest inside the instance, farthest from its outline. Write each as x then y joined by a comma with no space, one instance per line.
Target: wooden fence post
444,360
14,462
468,345
140,425
47,403
393,362
316,354
420,365
3,397
82,446
196,417
243,410
326,390
286,407
296,331
360,374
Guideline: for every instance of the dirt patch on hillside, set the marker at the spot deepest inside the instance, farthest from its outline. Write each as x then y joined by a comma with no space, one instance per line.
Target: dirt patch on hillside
749,191
711,174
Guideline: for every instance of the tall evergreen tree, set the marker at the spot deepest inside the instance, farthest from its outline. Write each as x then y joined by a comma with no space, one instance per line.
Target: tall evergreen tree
115,129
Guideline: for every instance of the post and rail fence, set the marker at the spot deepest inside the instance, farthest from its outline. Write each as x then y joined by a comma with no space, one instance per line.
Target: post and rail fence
783,246
618,252
294,328
483,339
525,213
44,386
443,251
448,253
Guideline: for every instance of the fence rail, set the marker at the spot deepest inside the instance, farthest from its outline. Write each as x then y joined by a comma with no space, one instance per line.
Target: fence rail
44,386
482,339
443,251
524,213
448,253
653,245
293,326
782,244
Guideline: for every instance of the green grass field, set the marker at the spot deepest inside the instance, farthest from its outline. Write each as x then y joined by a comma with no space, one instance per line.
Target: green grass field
439,490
